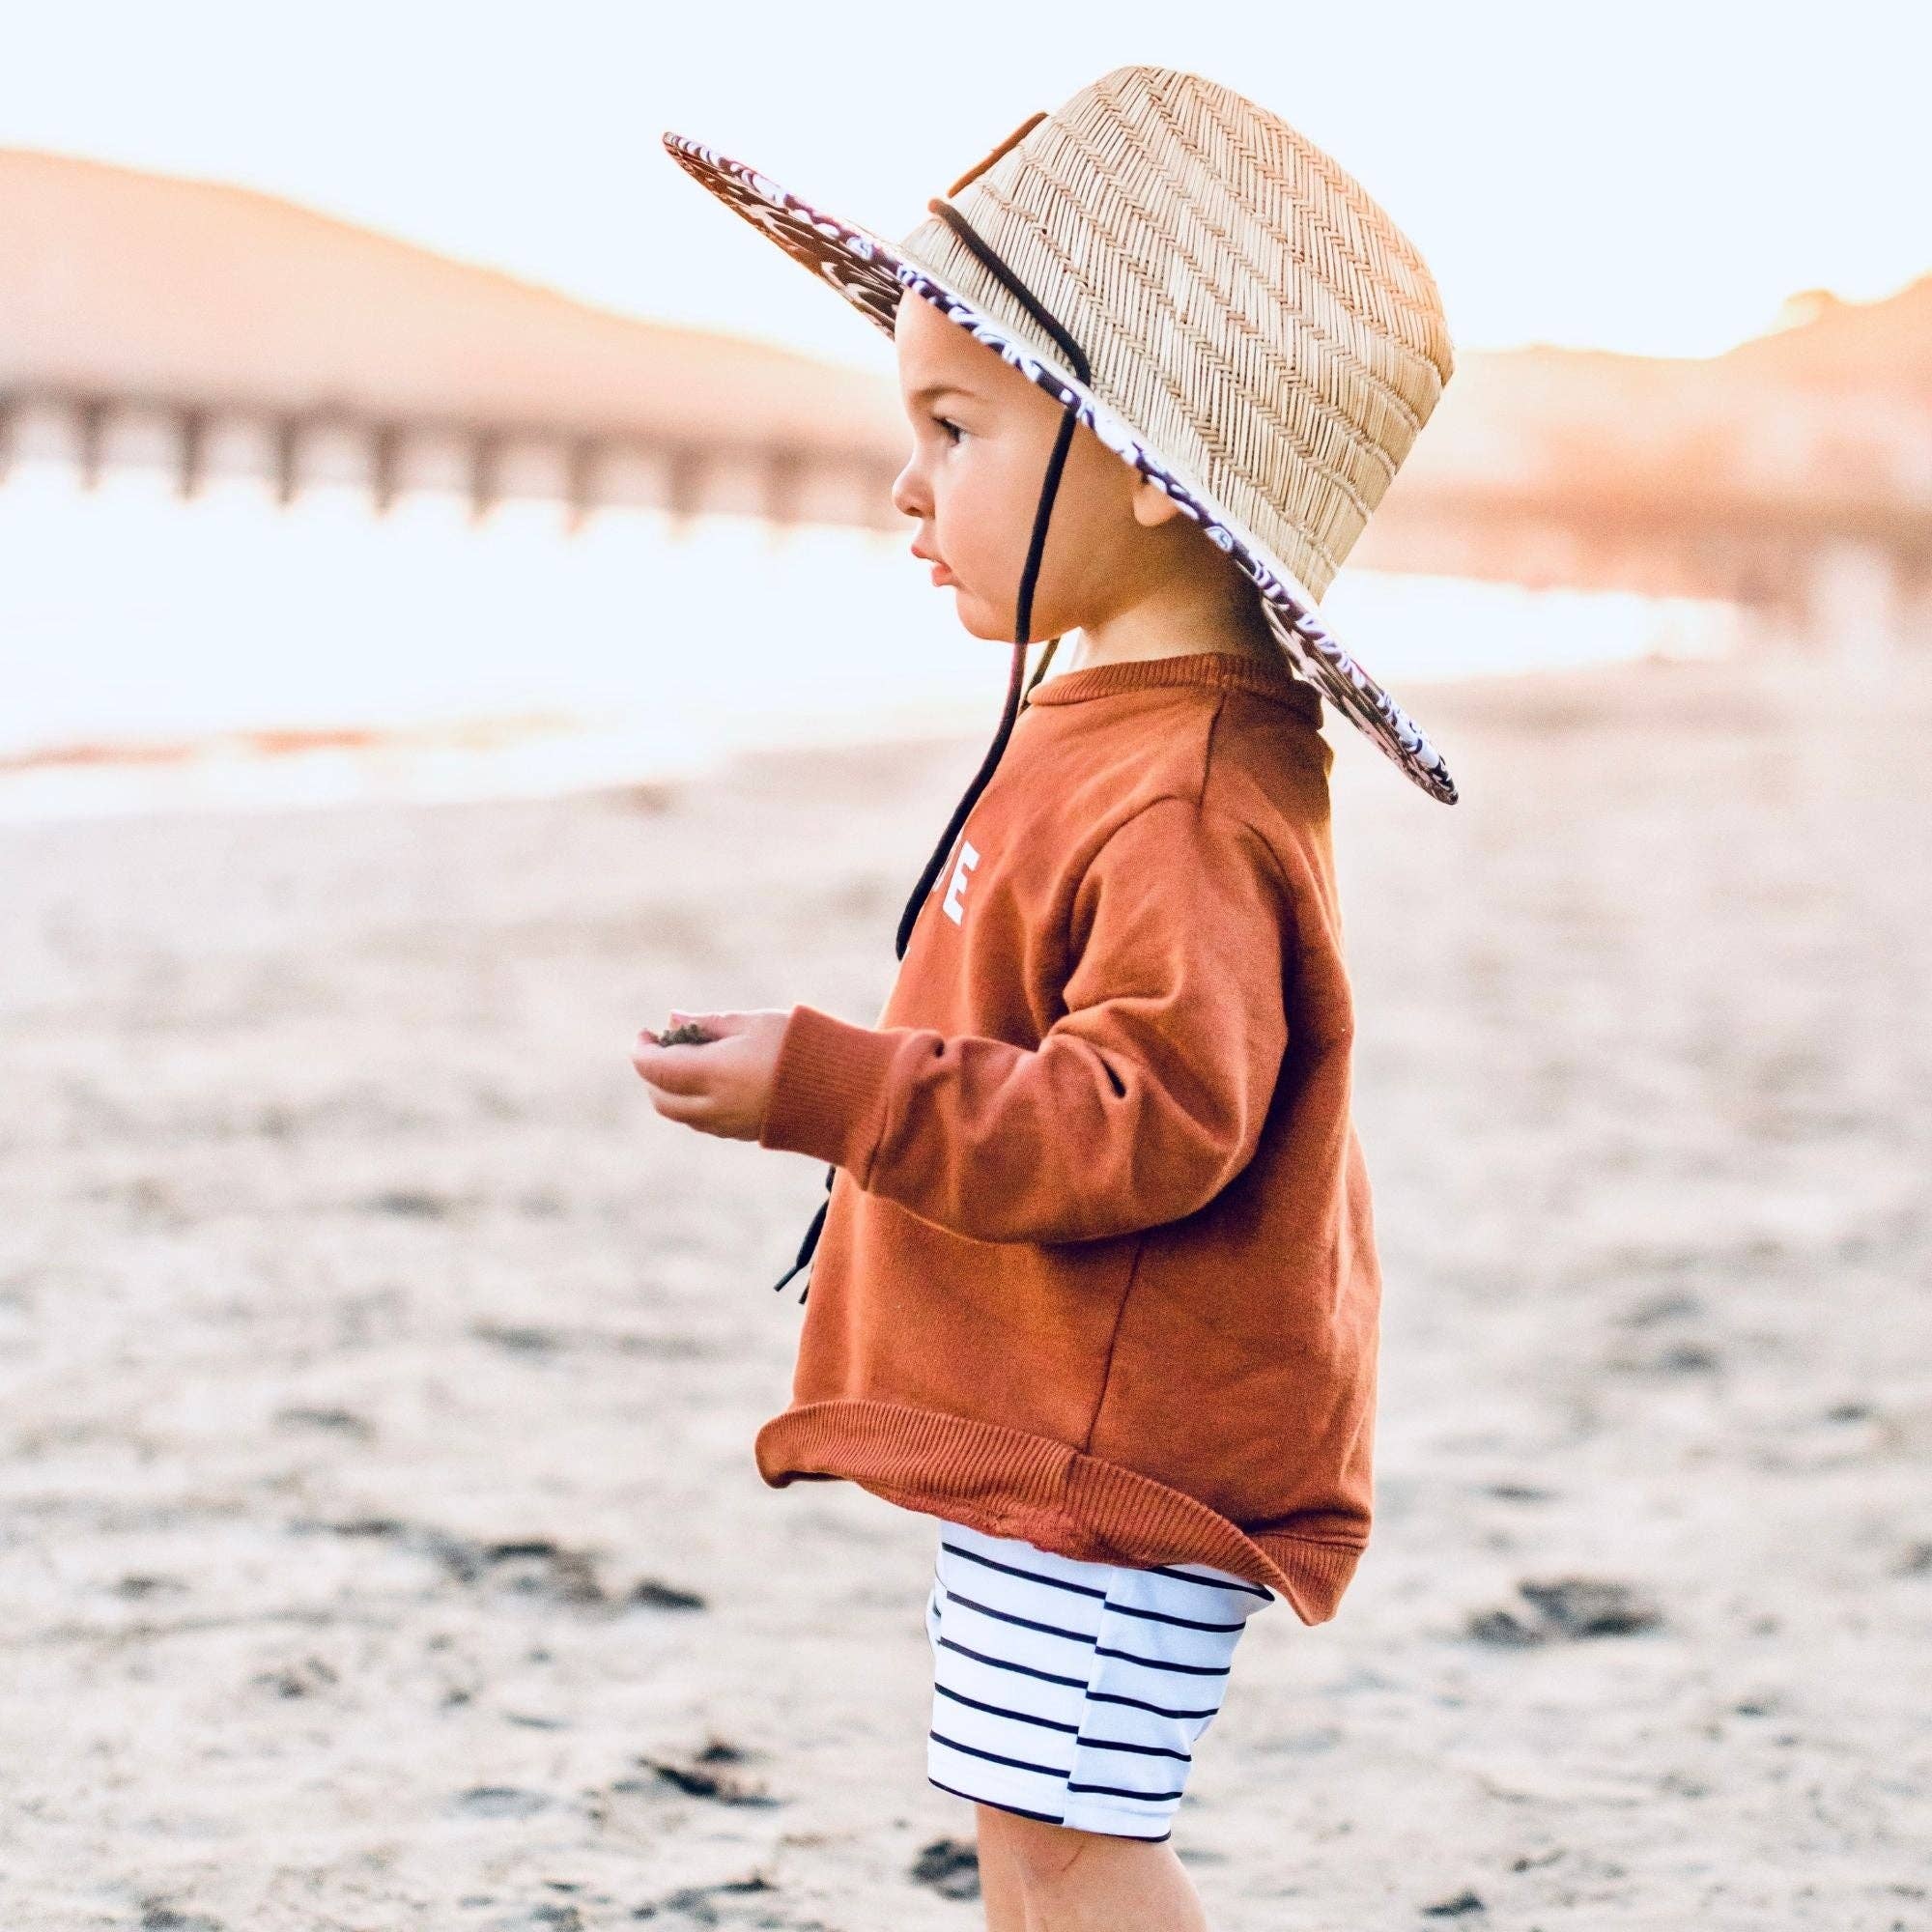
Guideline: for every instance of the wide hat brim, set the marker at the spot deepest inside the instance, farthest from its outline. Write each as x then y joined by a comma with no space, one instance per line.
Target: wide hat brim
875,275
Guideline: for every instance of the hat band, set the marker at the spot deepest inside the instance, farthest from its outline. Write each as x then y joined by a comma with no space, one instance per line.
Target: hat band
1022,623
1012,284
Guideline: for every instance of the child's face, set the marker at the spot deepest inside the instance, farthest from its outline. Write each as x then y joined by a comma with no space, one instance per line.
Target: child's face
982,437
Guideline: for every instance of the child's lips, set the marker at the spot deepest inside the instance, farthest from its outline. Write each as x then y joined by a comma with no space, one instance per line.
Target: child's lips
940,573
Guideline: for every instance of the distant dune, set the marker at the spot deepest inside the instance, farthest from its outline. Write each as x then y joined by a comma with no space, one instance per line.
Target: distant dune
1877,348
130,283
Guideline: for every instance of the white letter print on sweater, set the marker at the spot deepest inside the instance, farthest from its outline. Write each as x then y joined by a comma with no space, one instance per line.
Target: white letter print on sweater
955,890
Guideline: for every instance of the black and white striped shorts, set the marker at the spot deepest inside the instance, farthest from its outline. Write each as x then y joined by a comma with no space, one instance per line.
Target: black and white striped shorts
1073,1692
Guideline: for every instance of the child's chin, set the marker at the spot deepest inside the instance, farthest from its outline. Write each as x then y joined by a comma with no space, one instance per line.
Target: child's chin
978,622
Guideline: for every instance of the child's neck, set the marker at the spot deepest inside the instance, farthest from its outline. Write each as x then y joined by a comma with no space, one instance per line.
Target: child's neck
1135,636
1180,619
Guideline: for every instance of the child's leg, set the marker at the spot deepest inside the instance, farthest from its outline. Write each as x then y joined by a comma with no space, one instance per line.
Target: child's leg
1092,1882
1000,1890
1068,1698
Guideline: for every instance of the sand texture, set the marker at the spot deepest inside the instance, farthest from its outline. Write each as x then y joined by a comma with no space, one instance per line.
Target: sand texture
381,1544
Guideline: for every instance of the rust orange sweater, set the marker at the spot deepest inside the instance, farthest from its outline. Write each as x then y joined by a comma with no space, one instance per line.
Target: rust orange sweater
1098,1267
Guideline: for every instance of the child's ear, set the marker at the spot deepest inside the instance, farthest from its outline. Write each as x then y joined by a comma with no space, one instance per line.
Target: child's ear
1152,506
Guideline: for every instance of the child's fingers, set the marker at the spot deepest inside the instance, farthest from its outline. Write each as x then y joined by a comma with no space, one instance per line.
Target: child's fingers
674,1069
690,1110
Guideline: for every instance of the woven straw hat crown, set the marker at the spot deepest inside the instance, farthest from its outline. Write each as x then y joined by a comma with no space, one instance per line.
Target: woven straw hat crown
1241,299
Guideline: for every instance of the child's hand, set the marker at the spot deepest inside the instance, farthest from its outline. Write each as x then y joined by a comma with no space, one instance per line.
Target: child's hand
720,1086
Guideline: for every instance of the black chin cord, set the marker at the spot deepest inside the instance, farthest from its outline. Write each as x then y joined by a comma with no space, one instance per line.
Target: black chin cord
1022,637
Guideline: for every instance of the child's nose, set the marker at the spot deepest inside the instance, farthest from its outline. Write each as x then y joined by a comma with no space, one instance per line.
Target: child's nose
908,492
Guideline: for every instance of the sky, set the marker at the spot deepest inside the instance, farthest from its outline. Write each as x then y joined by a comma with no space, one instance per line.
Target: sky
1648,178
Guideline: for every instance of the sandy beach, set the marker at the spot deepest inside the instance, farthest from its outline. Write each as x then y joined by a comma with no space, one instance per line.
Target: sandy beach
382,1542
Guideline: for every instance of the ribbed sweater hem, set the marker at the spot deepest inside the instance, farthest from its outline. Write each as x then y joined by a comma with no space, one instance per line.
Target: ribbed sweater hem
1008,1482
1268,675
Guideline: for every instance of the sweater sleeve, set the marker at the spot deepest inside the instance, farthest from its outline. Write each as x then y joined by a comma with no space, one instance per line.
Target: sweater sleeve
1142,1101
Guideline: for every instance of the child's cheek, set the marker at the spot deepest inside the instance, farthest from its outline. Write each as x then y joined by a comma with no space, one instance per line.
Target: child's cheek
974,530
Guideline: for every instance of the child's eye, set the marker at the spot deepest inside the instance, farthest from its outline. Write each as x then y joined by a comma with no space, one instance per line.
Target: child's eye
953,429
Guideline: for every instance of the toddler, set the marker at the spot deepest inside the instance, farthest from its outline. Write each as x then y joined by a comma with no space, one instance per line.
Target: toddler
1095,1282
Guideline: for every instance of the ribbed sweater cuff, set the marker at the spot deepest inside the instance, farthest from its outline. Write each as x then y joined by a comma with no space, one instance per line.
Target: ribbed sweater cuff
829,1086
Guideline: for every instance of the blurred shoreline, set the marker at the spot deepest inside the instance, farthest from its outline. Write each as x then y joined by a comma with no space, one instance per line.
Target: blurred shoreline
554,672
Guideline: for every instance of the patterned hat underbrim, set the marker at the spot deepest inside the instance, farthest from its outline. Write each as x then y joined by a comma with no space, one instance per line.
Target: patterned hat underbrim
874,276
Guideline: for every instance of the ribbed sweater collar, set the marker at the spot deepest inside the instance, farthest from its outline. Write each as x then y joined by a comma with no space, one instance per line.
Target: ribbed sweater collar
1225,671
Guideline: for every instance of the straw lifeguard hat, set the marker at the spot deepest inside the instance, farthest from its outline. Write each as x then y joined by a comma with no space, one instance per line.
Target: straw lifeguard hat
1205,290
